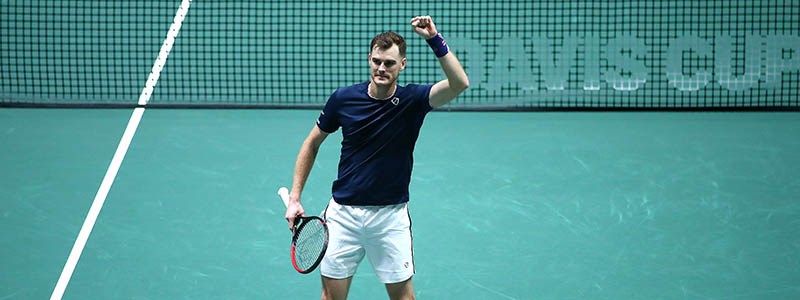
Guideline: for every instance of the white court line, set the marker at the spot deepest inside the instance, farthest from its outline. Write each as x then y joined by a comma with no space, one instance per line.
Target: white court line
119,155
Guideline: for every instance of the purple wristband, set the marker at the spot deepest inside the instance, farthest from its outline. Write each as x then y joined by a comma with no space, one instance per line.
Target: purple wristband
438,45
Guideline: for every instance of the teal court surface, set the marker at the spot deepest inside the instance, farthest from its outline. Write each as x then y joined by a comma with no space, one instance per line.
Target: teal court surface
617,205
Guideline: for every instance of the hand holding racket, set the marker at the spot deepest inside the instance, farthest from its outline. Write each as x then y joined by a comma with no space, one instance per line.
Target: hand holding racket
293,209
309,237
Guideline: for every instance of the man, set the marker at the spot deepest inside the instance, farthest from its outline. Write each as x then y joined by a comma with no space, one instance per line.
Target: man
380,121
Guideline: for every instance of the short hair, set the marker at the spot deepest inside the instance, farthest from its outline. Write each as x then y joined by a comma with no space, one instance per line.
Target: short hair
385,41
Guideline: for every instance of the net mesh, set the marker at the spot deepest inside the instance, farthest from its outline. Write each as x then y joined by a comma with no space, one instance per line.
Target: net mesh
518,54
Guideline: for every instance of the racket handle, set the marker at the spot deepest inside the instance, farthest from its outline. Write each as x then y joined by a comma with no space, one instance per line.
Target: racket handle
284,193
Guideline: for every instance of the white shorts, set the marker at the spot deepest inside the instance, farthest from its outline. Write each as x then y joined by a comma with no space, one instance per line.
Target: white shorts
382,233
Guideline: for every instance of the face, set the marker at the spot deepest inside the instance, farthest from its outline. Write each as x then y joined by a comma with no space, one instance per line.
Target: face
385,65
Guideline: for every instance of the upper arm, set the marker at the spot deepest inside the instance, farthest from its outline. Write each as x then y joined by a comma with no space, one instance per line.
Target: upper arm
316,137
441,93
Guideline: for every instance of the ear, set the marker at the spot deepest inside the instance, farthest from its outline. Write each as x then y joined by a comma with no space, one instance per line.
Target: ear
403,64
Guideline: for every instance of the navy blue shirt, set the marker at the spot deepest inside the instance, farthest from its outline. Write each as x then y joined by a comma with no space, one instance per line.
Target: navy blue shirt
378,142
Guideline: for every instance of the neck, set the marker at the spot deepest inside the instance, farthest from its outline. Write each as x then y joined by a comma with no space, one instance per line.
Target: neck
380,92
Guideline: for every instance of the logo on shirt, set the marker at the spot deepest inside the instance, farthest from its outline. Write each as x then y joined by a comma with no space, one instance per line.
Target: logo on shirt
395,101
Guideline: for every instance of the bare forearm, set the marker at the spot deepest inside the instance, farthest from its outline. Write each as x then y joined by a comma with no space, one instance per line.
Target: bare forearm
305,161
302,168
457,79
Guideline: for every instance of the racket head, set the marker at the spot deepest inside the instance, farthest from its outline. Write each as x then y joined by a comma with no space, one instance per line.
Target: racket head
309,243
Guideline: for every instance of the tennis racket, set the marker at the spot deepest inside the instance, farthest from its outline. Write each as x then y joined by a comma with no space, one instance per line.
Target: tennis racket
309,239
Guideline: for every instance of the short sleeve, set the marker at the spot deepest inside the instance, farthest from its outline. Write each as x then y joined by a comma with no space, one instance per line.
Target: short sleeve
423,93
328,120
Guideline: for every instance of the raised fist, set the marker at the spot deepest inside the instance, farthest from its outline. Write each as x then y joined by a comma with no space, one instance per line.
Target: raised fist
423,25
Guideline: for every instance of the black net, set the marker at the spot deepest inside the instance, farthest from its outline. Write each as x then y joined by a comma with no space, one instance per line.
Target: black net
518,54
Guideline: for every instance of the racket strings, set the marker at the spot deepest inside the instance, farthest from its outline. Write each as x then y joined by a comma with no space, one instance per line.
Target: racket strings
310,244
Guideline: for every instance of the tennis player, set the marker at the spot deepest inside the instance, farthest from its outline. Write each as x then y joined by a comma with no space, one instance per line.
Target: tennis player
380,122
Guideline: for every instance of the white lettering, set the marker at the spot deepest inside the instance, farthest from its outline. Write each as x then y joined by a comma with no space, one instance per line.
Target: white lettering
676,63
